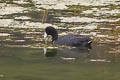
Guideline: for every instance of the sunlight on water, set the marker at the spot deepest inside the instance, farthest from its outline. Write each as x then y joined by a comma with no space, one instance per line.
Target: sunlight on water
76,2
89,26
62,4
85,20
79,17
10,9
21,2
24,24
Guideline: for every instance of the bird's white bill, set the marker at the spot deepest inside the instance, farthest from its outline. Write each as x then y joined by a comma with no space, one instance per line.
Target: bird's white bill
45,35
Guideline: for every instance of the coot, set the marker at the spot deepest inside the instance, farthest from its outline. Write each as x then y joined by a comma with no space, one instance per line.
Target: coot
68,40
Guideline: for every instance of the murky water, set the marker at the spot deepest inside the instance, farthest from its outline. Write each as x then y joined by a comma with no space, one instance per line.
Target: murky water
32,64
25,56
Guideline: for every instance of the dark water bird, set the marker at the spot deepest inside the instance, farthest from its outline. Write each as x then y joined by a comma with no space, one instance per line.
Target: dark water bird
68,40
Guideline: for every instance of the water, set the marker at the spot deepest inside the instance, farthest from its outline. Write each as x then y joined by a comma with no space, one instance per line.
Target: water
32,64
24,55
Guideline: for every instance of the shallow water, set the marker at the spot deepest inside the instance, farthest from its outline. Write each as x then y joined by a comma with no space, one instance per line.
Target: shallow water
32,64
24,55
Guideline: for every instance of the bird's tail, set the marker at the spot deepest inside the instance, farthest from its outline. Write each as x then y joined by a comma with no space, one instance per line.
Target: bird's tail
89,44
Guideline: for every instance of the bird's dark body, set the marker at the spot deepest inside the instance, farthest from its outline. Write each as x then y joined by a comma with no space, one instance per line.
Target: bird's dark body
73,40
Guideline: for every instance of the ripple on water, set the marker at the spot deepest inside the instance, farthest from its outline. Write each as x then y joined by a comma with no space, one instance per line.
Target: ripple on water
23,24
102,11
89,26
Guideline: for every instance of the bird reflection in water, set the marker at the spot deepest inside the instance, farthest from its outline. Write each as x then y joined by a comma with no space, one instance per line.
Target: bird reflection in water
66,53
49,52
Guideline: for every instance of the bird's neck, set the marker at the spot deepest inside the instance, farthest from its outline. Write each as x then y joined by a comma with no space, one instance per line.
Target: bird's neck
54,37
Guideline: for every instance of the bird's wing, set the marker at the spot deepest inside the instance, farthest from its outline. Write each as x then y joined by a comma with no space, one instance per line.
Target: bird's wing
77,40
73,40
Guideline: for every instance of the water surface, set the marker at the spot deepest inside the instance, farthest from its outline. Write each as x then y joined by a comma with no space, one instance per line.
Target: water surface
32,64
